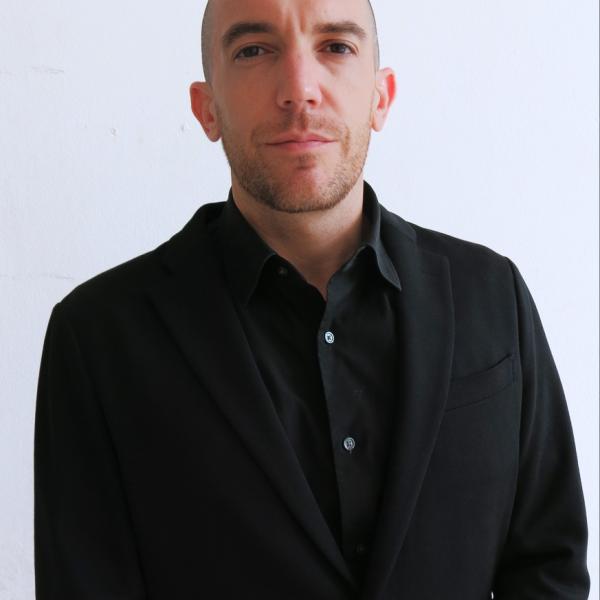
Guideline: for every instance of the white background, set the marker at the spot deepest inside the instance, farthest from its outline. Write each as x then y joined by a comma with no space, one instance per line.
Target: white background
493,138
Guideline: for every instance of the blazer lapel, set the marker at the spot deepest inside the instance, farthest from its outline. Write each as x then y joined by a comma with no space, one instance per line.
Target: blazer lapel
195,305
426,334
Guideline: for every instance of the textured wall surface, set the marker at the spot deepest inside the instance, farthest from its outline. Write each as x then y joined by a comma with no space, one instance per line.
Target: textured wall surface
493,138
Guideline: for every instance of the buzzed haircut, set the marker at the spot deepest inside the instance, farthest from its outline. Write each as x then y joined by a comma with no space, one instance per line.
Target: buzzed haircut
208,42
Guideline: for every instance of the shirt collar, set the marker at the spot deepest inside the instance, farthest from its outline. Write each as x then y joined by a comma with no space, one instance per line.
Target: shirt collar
245,253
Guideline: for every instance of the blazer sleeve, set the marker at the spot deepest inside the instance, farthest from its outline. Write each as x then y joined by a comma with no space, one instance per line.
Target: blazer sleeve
544,556
84,546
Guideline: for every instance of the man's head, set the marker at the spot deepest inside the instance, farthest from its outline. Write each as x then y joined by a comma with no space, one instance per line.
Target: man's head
292,70
208,26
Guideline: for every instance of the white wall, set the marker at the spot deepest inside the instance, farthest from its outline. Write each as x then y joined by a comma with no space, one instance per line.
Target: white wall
493,138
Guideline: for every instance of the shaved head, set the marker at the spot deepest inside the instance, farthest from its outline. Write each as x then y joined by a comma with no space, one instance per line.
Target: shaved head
208,26
207,36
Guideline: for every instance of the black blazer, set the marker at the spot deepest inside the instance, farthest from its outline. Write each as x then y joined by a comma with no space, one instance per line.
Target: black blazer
163,473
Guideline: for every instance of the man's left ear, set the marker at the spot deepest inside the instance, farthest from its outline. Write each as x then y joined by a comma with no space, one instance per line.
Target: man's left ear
385,93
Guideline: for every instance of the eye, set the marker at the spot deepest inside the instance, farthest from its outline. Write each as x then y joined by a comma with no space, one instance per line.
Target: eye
337,46
248,52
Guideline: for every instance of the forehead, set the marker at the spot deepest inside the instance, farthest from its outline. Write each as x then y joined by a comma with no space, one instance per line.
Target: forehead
301,14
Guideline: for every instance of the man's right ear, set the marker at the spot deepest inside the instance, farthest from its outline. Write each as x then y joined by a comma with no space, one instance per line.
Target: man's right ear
203,107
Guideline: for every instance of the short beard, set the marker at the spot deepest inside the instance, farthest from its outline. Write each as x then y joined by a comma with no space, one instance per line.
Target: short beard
254,176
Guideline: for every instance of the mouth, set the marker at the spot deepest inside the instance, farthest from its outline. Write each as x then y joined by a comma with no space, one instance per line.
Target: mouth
301,146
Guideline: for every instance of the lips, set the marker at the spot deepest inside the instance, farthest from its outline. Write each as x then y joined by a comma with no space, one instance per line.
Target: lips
299,138
306,146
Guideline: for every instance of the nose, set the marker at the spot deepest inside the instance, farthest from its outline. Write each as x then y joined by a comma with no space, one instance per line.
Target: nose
299,87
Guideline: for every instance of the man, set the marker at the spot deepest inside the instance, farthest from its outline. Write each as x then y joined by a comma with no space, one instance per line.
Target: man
301,395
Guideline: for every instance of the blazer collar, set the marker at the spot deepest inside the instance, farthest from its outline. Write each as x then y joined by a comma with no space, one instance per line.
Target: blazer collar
195,304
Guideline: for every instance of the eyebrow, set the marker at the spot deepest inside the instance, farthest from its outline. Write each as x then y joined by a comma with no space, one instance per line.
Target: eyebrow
237,30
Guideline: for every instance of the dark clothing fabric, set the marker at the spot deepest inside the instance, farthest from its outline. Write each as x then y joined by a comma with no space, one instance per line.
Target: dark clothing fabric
329,366
162,470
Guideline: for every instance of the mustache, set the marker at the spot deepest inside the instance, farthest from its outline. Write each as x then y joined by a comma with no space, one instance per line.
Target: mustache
301,122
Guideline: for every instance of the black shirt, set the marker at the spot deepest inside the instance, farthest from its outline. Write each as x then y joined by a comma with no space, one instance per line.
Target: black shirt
330,366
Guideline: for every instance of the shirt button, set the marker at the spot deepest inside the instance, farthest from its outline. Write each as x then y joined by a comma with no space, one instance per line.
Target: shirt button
281,270
360,549
329,337
349,444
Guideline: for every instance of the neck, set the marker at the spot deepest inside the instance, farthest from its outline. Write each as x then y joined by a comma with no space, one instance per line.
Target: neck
317,243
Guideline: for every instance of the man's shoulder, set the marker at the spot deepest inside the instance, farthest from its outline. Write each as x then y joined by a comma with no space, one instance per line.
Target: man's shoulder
117,284
477,272
125,283
481,277
460,252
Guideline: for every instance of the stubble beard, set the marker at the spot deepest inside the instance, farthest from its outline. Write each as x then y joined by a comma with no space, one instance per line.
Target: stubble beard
269,187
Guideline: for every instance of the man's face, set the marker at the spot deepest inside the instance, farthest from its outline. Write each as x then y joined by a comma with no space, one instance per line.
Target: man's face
293,98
